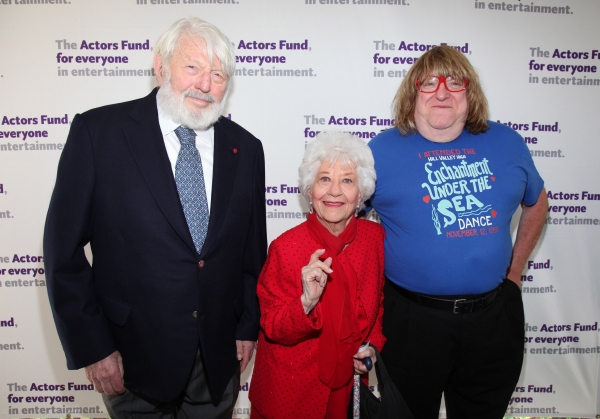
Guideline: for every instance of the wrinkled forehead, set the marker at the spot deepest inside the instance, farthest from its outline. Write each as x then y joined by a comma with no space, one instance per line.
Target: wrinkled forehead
188,43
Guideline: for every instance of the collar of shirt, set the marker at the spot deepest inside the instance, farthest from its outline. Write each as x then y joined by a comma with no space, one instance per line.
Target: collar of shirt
205,143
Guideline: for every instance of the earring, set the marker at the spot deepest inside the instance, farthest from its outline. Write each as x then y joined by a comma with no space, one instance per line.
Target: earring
310,207
357,210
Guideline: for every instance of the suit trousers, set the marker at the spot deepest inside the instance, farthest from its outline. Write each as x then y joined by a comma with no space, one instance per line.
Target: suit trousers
194,402
474,359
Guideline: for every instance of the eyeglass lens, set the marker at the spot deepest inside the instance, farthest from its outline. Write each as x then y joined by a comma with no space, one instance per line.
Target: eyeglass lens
430,84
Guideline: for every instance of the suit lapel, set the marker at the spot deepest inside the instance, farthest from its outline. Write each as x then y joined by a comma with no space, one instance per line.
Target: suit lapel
147,146
227,151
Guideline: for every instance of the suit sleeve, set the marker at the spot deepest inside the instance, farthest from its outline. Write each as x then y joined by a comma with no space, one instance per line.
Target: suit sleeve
279,288
255,254
80,323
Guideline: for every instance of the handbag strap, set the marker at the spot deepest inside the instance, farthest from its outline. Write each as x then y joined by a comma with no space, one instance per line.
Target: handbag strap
392,404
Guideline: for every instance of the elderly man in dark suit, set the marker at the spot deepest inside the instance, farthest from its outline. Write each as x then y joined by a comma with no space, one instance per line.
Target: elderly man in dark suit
170,195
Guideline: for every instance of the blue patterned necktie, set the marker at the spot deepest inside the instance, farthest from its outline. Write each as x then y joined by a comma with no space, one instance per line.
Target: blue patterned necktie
189,178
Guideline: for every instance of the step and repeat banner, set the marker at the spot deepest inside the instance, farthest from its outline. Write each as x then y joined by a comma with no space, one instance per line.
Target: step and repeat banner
304,66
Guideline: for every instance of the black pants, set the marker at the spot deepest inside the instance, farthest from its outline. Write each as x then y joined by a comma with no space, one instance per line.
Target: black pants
473,359
193,403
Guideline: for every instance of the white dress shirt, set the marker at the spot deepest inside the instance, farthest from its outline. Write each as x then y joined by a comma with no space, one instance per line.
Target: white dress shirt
205,143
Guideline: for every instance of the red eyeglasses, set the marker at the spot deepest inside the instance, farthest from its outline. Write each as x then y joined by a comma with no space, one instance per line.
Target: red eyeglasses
432,84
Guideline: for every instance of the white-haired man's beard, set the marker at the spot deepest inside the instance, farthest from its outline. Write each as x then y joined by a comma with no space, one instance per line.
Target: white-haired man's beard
173,105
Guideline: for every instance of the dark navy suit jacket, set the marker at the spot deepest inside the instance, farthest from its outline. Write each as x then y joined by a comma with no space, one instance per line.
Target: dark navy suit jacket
148,293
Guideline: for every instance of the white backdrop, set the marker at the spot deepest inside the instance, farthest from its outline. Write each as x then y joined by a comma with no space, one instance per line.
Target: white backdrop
324,64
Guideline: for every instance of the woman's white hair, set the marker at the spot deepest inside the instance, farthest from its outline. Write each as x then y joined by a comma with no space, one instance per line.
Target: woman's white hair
341,148
217,44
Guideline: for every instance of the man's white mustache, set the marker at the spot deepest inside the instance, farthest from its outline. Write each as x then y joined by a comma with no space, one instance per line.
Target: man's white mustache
199,95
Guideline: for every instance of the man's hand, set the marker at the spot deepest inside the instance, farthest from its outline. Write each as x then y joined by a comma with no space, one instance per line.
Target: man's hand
244,352
107,374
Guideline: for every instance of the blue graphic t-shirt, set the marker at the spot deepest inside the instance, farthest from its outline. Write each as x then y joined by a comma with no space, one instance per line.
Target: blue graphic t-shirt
447,207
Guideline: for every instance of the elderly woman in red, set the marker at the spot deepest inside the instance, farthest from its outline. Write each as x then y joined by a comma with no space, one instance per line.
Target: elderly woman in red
320,291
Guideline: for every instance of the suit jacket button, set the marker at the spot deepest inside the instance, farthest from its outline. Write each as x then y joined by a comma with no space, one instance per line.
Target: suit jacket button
201,264
195,314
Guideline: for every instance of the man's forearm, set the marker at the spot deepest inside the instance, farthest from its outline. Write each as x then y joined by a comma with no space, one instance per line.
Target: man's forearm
529,230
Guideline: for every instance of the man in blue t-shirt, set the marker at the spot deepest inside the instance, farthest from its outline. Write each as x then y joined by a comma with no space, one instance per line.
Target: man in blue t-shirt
448,184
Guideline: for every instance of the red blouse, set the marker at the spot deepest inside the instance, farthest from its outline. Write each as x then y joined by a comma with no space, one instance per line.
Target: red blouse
285,382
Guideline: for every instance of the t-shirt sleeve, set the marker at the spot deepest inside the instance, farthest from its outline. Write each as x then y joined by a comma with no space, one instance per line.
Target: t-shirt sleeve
535,183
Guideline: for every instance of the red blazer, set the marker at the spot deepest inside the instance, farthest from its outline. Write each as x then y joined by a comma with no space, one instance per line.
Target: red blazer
285,381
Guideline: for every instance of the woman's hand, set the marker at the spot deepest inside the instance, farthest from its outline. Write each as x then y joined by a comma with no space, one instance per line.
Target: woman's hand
359,367
314,278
